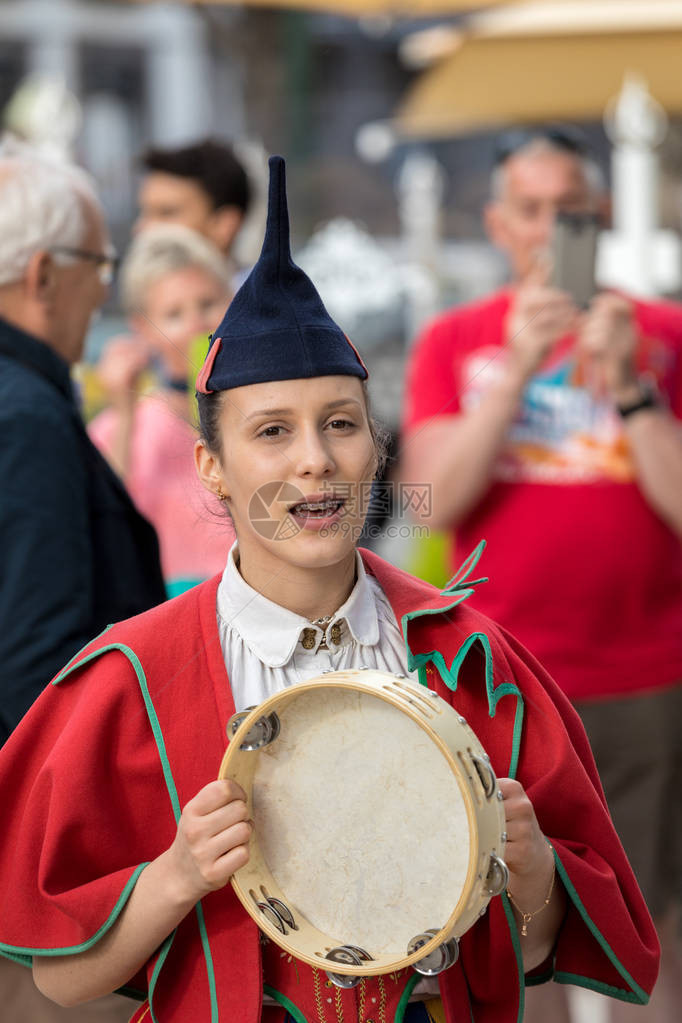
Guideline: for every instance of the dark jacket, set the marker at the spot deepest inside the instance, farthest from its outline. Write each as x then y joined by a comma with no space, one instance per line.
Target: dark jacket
75,554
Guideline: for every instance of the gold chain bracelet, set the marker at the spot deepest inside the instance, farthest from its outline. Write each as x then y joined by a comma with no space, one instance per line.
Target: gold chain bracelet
527,917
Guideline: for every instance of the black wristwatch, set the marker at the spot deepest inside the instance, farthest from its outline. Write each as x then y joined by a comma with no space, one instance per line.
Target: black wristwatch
648,398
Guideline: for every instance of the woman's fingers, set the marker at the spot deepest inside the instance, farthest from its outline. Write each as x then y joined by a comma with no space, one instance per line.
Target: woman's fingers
526,847
215,795
212,837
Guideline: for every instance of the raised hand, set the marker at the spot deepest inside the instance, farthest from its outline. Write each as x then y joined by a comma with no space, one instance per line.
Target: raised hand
123,361
538,317
607,342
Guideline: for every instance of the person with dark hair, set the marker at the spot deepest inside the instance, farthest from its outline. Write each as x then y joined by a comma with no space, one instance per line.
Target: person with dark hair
127,884
202,186
554,432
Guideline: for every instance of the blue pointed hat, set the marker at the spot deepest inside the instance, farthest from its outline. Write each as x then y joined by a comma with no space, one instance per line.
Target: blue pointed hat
276,327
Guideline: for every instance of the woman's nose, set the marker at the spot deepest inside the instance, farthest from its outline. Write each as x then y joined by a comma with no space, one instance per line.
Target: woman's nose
313,457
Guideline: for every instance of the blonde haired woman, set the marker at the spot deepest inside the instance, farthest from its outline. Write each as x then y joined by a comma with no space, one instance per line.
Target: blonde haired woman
174,288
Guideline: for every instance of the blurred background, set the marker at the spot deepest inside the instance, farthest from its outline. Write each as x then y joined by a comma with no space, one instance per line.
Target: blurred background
387,112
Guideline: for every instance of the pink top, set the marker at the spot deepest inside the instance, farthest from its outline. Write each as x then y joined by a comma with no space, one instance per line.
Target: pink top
194,532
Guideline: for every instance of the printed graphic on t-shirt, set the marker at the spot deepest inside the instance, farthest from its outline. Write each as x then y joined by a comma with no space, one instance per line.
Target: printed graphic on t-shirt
562,434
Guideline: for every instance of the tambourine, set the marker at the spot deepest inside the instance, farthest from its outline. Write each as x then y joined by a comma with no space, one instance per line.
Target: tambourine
378,824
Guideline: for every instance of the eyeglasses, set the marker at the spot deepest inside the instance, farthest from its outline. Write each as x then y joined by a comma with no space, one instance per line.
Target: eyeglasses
568,139
106,262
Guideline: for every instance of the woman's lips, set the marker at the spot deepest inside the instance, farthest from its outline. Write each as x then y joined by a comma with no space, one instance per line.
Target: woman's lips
317,514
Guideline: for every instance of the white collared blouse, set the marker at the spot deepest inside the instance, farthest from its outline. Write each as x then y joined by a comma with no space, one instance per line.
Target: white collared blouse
263,643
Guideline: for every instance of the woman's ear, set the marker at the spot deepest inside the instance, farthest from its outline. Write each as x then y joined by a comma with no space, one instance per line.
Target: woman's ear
209,470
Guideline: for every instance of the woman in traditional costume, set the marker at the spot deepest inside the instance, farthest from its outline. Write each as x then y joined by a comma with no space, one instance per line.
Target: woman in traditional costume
118,842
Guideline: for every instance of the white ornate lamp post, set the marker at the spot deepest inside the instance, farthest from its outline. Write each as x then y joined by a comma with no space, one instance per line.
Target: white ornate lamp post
636,255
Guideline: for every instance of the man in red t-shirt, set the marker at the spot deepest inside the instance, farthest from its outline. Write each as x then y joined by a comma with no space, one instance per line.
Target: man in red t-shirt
555,435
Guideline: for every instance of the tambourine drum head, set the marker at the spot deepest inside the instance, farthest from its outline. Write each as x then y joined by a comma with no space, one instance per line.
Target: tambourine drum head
361,820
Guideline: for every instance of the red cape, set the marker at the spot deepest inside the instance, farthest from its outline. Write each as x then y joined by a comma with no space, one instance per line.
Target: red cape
93,780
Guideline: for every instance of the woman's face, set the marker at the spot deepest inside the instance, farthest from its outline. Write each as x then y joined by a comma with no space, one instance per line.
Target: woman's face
179,308
297,462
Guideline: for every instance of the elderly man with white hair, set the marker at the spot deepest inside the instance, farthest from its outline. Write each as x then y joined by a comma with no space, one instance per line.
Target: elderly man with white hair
75,554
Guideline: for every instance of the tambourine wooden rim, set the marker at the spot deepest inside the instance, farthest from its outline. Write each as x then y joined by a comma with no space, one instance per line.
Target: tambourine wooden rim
481,797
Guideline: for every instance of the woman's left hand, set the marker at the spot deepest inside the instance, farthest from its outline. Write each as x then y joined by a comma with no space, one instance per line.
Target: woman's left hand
531,861
534,889
527,852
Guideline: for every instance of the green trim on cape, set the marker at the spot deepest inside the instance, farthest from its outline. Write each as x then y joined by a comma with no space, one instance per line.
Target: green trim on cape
636,994
23,955
285,1002
514,934
461,590
401,1008
158,966
177,810
298,1016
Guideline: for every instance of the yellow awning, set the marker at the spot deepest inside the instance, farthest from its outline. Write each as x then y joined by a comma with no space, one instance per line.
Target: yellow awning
356,8
528,64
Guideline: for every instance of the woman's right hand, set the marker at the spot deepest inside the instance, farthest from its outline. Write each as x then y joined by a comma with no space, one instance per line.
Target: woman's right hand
210,844
212,839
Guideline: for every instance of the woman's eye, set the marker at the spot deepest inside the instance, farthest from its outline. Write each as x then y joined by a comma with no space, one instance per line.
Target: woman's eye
270,431
341,424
